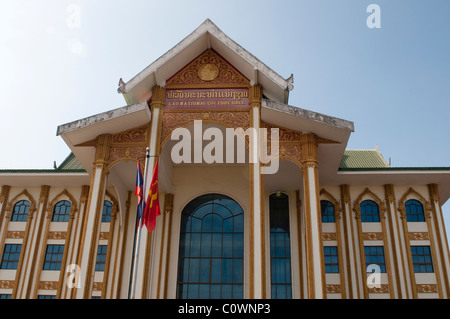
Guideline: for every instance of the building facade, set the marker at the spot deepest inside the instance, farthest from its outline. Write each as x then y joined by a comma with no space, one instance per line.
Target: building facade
309,220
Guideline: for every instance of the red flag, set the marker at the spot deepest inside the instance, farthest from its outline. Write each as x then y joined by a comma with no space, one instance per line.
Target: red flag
151,209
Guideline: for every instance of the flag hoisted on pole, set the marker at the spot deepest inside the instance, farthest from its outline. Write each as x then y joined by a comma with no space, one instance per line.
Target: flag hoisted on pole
151,209
139,191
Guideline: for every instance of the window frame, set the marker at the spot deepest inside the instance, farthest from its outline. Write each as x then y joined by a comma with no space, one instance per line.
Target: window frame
57,216
20,216
331,267
49,262
100,261
327,217
417,266
280,247
369,217
9,263
383,267
196,249
414,216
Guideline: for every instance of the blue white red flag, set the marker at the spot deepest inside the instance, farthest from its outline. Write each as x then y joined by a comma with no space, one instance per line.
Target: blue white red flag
139,191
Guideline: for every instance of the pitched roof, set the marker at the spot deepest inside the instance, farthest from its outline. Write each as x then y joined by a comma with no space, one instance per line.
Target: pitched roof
363,159
206,36
70,163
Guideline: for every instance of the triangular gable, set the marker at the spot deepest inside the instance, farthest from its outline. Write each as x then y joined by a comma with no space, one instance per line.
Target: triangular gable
209,69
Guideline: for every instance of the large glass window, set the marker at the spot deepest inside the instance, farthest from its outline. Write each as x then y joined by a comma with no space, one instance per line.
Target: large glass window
369,211
20,211
101,257
107,210
375,255
11,255
280,247
61,211
421,257
53,257
211,249
331,259
327,209
414,211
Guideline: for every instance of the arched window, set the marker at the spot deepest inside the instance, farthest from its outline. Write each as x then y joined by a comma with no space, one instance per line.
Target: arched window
280,247
20,211
107,209
369,211
61,211
211,252
327,209
414,211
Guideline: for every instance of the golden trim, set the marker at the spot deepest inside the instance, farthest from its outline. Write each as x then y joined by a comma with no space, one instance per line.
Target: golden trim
439,223
168,208
367,193
349,242
124,237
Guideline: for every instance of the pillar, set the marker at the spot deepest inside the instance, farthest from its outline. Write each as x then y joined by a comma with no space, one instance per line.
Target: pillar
145,273
314,249
91,223
257,280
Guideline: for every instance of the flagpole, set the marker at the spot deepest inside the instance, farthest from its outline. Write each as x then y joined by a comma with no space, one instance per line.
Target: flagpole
137,247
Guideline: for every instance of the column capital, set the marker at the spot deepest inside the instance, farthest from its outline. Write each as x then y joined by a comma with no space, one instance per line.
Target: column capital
158,98
102,145
309,150
255,95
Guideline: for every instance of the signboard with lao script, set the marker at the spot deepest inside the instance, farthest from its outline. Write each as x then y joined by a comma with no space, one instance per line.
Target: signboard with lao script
201,99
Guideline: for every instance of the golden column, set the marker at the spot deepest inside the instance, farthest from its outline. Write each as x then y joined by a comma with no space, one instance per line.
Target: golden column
314,249
91,224
145,272
257,287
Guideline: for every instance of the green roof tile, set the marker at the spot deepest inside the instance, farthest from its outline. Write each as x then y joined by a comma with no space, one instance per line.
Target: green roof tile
363,159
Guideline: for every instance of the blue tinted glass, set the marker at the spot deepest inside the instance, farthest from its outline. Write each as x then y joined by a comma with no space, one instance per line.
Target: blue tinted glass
211,248
414,211
369,211
327,209
421,257
61,211
280,246
20,211
107,210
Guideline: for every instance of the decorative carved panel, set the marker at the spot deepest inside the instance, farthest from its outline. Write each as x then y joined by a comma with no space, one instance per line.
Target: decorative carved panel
372,236
418,236
57,235
209,69
427,288
48,285
329,236
15,234
384,289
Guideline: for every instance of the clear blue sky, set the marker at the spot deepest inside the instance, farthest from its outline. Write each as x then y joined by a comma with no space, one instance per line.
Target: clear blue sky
392,82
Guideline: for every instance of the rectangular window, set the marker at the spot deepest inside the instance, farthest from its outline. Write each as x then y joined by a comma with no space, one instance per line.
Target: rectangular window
280,247
375,255
421,257
11,255
53,257
5,296
101,257
331,260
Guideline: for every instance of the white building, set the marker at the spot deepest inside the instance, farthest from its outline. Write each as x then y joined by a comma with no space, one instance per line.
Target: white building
316,228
